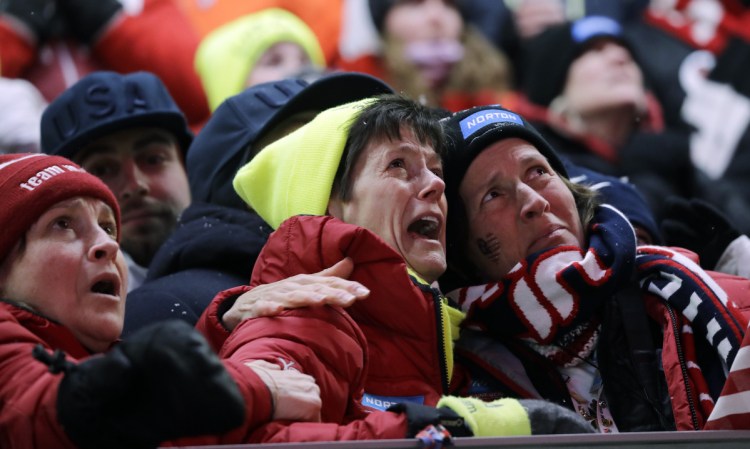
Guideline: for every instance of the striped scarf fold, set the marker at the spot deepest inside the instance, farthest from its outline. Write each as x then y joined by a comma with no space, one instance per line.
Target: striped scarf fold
732,410
685,286
551,298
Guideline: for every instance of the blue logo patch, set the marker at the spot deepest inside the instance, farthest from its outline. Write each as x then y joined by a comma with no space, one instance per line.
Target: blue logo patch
588,27
477,120
383,402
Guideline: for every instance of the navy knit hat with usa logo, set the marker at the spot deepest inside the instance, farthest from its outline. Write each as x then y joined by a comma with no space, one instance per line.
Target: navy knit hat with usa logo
470,131
105,102
32,183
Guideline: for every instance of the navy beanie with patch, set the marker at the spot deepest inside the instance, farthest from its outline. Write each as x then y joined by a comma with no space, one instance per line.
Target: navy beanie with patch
470,131
105,102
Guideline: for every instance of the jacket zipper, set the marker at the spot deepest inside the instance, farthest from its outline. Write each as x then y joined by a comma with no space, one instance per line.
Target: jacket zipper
440,320
683,367
440,324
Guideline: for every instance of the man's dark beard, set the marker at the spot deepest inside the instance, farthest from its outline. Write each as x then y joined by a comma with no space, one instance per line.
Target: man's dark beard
142,250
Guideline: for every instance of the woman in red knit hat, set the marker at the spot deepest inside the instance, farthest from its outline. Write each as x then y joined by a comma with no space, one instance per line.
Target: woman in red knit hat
62,301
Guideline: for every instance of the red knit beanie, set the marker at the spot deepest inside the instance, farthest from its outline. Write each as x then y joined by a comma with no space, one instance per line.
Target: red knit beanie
32,183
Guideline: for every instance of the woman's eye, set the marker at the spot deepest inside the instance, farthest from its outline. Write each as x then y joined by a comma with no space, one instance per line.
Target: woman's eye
276,61
397,163
492,194
62,223
540,171
110,229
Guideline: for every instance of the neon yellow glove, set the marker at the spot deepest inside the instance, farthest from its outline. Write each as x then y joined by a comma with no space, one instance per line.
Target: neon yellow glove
502,417
506,417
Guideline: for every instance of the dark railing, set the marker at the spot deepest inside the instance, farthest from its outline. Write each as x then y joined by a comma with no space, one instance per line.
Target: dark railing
663,440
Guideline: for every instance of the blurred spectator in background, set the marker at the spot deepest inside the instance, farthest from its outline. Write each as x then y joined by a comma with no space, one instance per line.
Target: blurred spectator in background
696,56
326,18
21,106
55,43
586,94
266,46
430,54
510,23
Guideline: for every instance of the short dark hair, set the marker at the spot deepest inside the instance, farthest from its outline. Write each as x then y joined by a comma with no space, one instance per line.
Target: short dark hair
384,119
461,272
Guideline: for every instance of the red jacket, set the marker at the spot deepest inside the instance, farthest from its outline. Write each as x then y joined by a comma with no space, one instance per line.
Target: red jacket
685,399
160,39
28,391
389,347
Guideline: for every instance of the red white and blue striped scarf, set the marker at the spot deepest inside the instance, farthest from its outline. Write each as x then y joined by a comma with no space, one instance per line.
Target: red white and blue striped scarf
732,410
551,299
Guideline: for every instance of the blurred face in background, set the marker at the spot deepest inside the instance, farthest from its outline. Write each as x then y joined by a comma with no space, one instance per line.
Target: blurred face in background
281,60
430,33
420,20
604,77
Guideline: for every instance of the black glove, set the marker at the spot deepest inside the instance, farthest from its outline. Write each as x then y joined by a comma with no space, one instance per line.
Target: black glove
549,418
164,382
87,18
698,226
419,416
37,15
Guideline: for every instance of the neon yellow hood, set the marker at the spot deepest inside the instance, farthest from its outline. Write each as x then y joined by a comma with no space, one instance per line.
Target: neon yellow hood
226,56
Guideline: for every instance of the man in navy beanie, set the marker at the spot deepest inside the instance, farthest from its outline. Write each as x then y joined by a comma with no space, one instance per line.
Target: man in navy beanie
218,238
128,131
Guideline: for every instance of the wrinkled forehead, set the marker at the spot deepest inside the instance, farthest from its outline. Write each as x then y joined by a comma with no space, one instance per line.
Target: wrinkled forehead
512,148
499,161
406,143
82,203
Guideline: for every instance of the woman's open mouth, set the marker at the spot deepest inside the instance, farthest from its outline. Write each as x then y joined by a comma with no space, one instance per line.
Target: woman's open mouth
426,227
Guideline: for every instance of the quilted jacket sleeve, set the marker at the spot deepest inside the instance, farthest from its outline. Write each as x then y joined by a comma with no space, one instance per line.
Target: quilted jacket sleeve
326,344
28,392
323,342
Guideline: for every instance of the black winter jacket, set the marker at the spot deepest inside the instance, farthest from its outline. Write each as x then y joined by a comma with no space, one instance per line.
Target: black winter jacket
213,248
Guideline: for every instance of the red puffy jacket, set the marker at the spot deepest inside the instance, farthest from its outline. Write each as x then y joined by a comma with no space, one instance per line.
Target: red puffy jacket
389,347
28,391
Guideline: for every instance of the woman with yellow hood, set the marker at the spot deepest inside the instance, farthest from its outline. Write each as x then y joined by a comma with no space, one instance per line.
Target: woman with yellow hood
265,46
